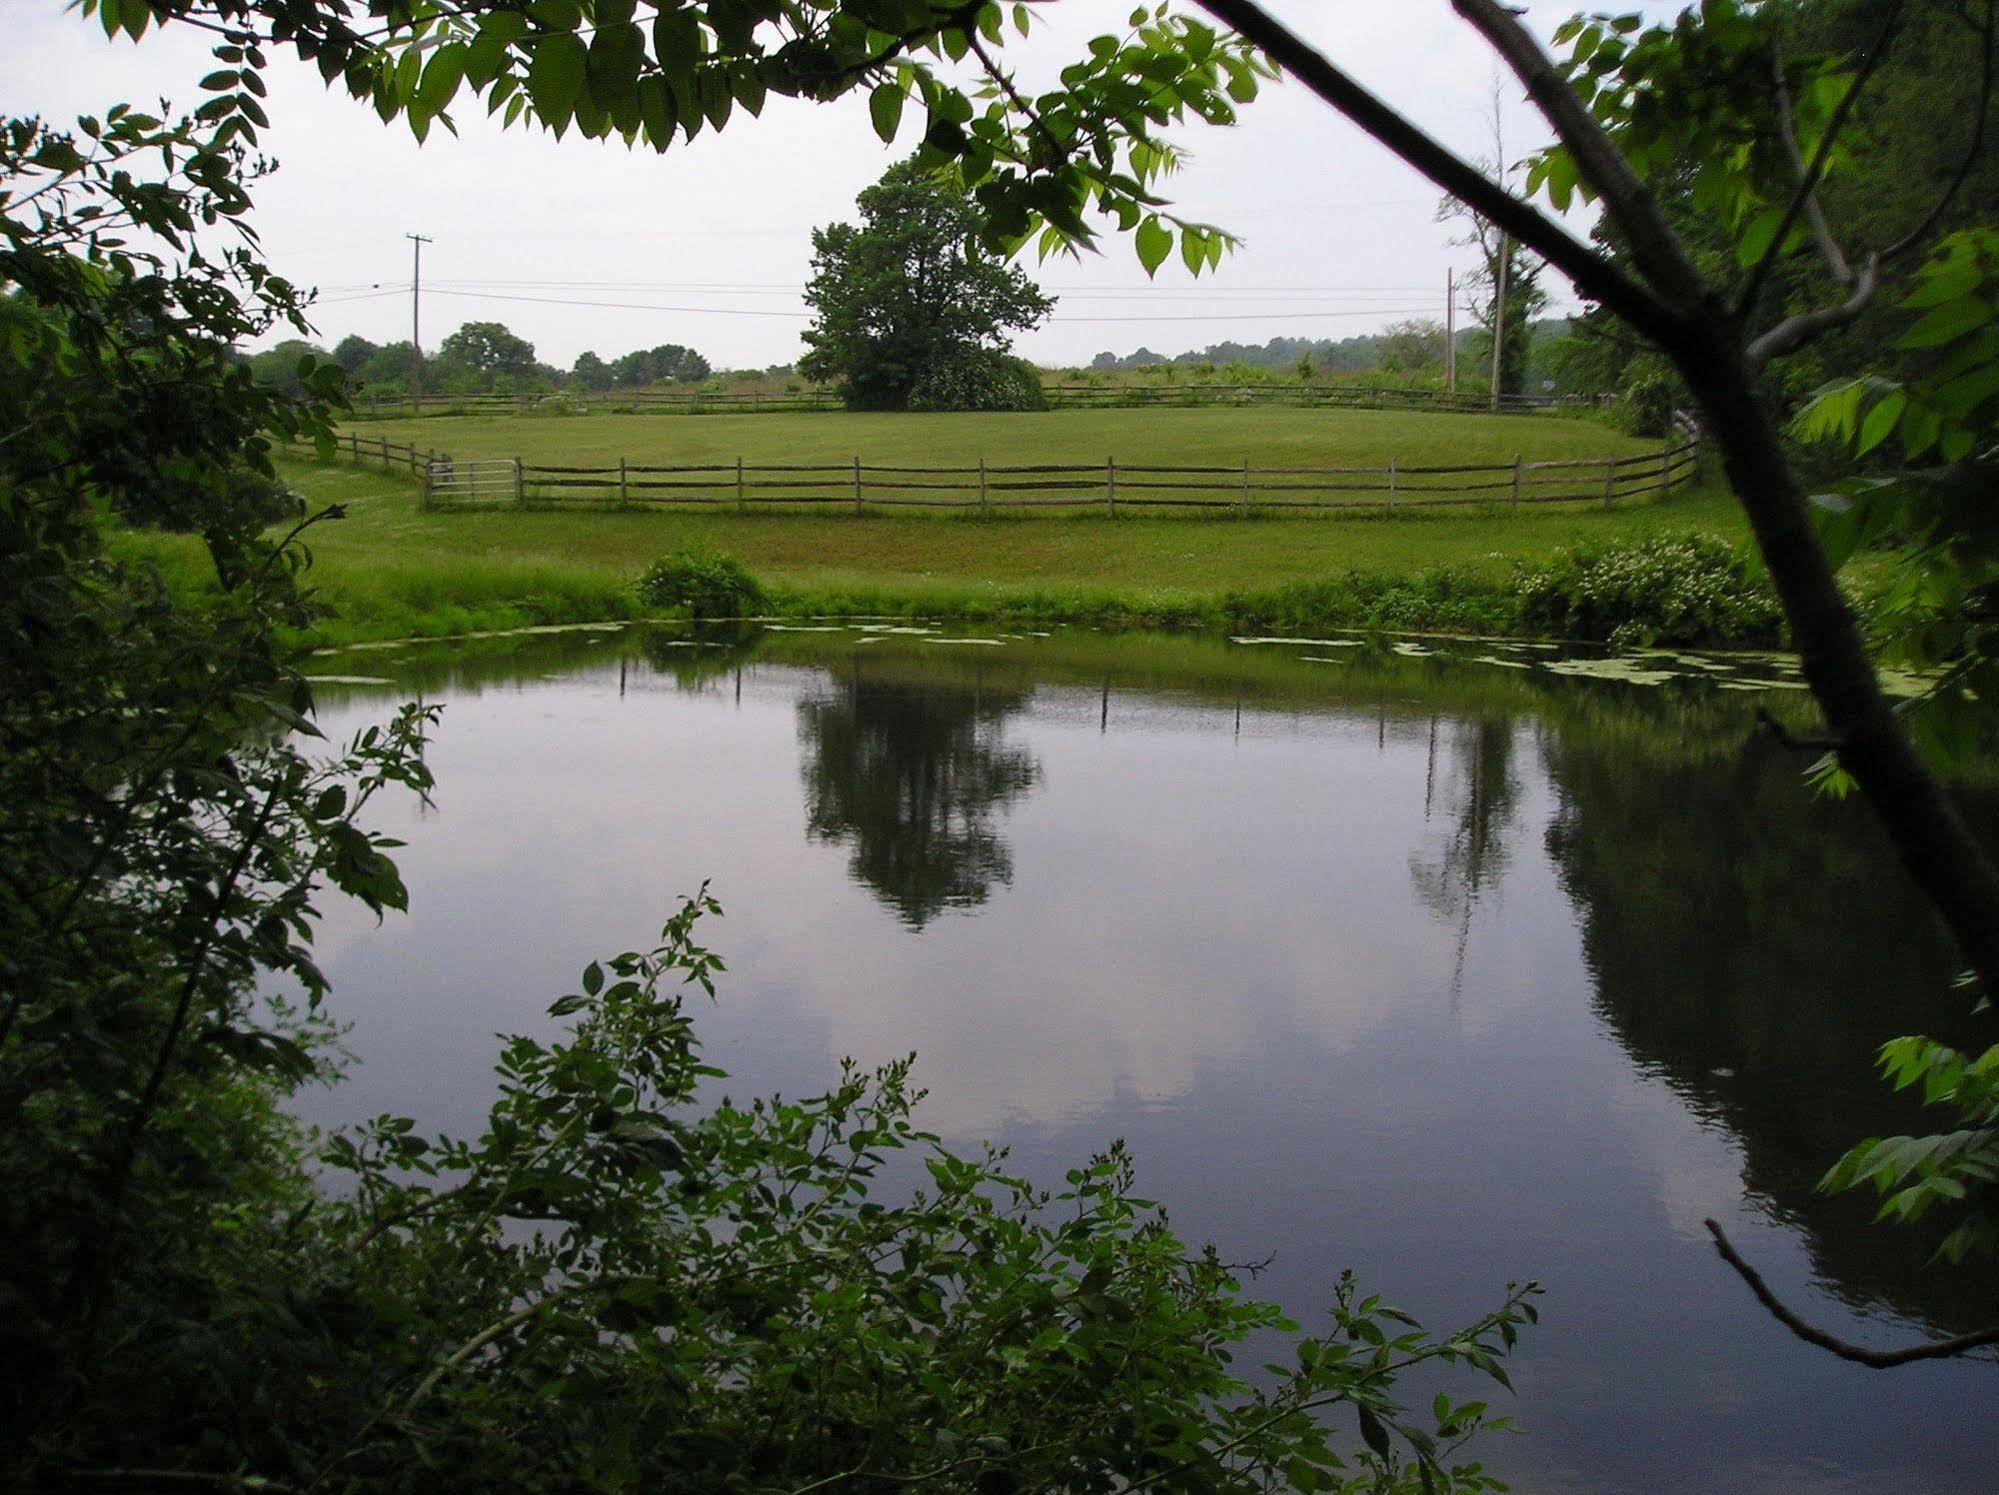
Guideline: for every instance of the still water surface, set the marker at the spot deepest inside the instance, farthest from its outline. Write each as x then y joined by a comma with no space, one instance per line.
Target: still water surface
1438,965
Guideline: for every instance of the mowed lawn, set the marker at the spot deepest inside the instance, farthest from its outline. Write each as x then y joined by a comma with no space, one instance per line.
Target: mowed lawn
1191,437
391,568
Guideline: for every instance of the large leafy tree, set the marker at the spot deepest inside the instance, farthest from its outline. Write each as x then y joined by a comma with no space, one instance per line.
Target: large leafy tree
488,348
667,362
910,291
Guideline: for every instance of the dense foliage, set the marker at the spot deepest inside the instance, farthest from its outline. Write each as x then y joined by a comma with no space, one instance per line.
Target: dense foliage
1688,590
1933,506
912,310
162,824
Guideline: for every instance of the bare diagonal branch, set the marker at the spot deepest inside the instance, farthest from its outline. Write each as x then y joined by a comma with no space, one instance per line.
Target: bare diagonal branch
1787,131
1655,248
1592,274
1937,1349
1794,332
1806,194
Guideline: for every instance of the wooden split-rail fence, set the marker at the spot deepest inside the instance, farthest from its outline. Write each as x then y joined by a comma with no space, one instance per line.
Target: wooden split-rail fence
992,487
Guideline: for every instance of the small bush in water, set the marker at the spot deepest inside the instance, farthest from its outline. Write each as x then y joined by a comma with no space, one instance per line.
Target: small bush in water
706,582
1684,590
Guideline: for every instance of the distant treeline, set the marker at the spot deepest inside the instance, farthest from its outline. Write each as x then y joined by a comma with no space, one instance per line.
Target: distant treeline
1411,351
482,358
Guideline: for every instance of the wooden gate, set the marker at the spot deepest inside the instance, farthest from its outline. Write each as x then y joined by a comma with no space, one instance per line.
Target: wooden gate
446,481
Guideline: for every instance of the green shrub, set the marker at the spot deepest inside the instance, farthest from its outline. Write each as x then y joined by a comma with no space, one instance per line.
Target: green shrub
978,379
1440,599
1646,406
1684,590
708,583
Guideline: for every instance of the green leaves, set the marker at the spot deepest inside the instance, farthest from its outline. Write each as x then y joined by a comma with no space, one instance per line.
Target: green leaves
555,79
885,109
1038,165
1948,322
1915,1174
1154,241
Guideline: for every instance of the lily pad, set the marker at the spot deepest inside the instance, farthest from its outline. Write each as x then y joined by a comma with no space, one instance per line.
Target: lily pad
1313,643
1630,671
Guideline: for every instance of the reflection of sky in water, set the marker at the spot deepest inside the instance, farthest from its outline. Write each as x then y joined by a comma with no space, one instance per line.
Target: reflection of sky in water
1332,1025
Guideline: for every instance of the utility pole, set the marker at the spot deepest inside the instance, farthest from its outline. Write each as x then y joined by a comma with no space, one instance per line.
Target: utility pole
417,241
1505,247
1450,332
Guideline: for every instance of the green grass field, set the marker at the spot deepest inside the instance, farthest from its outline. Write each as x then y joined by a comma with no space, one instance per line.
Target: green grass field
392,569
1190,437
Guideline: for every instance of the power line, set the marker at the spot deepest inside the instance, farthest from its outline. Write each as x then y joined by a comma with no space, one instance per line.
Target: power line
698,311
775,288
744,311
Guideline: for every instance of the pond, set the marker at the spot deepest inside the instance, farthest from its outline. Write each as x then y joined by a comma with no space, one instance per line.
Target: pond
1455,963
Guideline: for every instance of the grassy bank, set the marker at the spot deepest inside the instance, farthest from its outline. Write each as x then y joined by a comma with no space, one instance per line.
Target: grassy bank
394,568
391,569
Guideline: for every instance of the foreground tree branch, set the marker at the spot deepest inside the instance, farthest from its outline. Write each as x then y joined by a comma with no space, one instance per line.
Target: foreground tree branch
1593,275
1938,1349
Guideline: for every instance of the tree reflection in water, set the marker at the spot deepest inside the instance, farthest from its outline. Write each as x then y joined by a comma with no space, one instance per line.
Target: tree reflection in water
1468,807
910,773
1754,947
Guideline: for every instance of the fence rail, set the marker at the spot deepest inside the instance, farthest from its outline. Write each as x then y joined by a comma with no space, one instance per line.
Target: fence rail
1110,485
1060,397
990,487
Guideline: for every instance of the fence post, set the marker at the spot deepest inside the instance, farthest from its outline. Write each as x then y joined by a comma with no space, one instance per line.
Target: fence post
1110,487
1609,481
857,485
520,485
1244,505
1391,485
985,503
624,489
424,502
1516,482
742,502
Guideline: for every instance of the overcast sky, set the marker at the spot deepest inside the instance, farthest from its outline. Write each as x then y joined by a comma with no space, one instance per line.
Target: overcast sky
581,245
